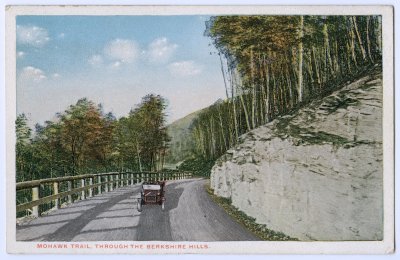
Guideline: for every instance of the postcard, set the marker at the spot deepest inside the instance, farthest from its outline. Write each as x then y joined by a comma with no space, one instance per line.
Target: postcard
200,129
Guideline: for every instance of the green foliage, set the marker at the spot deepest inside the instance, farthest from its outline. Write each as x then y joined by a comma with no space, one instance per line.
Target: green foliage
23,148
277,64
198,166
260,230
181,144
143,137
83,139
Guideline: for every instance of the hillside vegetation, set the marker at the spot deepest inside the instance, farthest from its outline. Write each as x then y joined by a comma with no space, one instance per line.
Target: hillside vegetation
273,65
181,141
316,173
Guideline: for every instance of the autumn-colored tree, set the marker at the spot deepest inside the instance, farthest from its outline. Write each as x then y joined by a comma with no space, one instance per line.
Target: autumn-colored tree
274,64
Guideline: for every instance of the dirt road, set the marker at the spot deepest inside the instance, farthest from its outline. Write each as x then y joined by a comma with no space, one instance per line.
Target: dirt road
189,215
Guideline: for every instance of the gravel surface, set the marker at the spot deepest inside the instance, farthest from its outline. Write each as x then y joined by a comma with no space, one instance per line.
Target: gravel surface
189,215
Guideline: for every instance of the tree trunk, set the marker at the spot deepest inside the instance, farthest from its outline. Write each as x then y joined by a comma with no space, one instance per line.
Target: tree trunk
327,48
245,113
359,37
223,76
233,88
253,90
368,41
300,60
267,93
353,52
138,156
222,129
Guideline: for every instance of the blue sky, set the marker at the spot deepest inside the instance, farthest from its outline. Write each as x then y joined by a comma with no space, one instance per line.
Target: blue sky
115,61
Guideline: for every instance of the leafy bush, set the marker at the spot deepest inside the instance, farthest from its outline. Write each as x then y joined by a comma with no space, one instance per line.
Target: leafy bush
198,166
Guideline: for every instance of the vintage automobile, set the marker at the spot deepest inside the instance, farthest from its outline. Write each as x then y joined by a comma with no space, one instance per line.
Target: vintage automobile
152,193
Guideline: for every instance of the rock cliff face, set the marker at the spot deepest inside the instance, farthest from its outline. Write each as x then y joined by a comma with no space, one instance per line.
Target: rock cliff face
316,174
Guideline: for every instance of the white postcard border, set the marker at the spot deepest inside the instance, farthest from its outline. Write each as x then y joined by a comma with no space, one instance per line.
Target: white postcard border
345,247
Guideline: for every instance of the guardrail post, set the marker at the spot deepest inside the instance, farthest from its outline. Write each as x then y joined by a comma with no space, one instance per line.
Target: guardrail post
107,184
99,183
35,196
132,182
83,191
69,183
112,182
117,181
90,189
55,192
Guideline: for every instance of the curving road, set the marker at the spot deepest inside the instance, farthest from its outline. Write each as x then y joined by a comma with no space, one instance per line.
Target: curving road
189,215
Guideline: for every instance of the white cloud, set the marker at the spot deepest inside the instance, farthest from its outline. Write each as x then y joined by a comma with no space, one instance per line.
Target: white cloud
55,75
124,51
115,65
31,75
160,50
184,68
32,35
95,60
61,35
20,54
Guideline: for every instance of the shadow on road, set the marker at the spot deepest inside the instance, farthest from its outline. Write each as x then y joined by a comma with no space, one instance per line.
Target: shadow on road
73,228
152,216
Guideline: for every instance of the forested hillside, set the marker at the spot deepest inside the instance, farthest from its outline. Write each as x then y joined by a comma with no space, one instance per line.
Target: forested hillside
181,144
273,65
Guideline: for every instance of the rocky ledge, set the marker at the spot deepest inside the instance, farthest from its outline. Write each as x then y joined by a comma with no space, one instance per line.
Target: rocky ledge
315,174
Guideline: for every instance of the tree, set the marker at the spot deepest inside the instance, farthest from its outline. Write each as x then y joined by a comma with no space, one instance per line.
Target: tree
22,147
276,64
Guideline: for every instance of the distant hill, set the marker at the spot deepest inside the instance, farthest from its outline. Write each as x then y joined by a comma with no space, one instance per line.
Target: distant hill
181,144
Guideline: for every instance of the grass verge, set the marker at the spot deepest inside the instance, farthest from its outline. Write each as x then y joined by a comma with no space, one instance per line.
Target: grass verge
260,230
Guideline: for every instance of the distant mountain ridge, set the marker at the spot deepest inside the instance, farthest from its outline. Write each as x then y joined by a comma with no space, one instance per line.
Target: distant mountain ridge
180,147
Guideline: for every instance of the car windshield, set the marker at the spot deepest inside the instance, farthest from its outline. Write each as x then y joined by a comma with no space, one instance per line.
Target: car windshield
151,187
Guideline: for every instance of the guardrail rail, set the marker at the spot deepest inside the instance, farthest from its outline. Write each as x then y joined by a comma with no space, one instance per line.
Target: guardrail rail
80,187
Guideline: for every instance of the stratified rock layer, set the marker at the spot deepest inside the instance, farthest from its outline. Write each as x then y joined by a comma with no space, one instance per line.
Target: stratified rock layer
316,174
